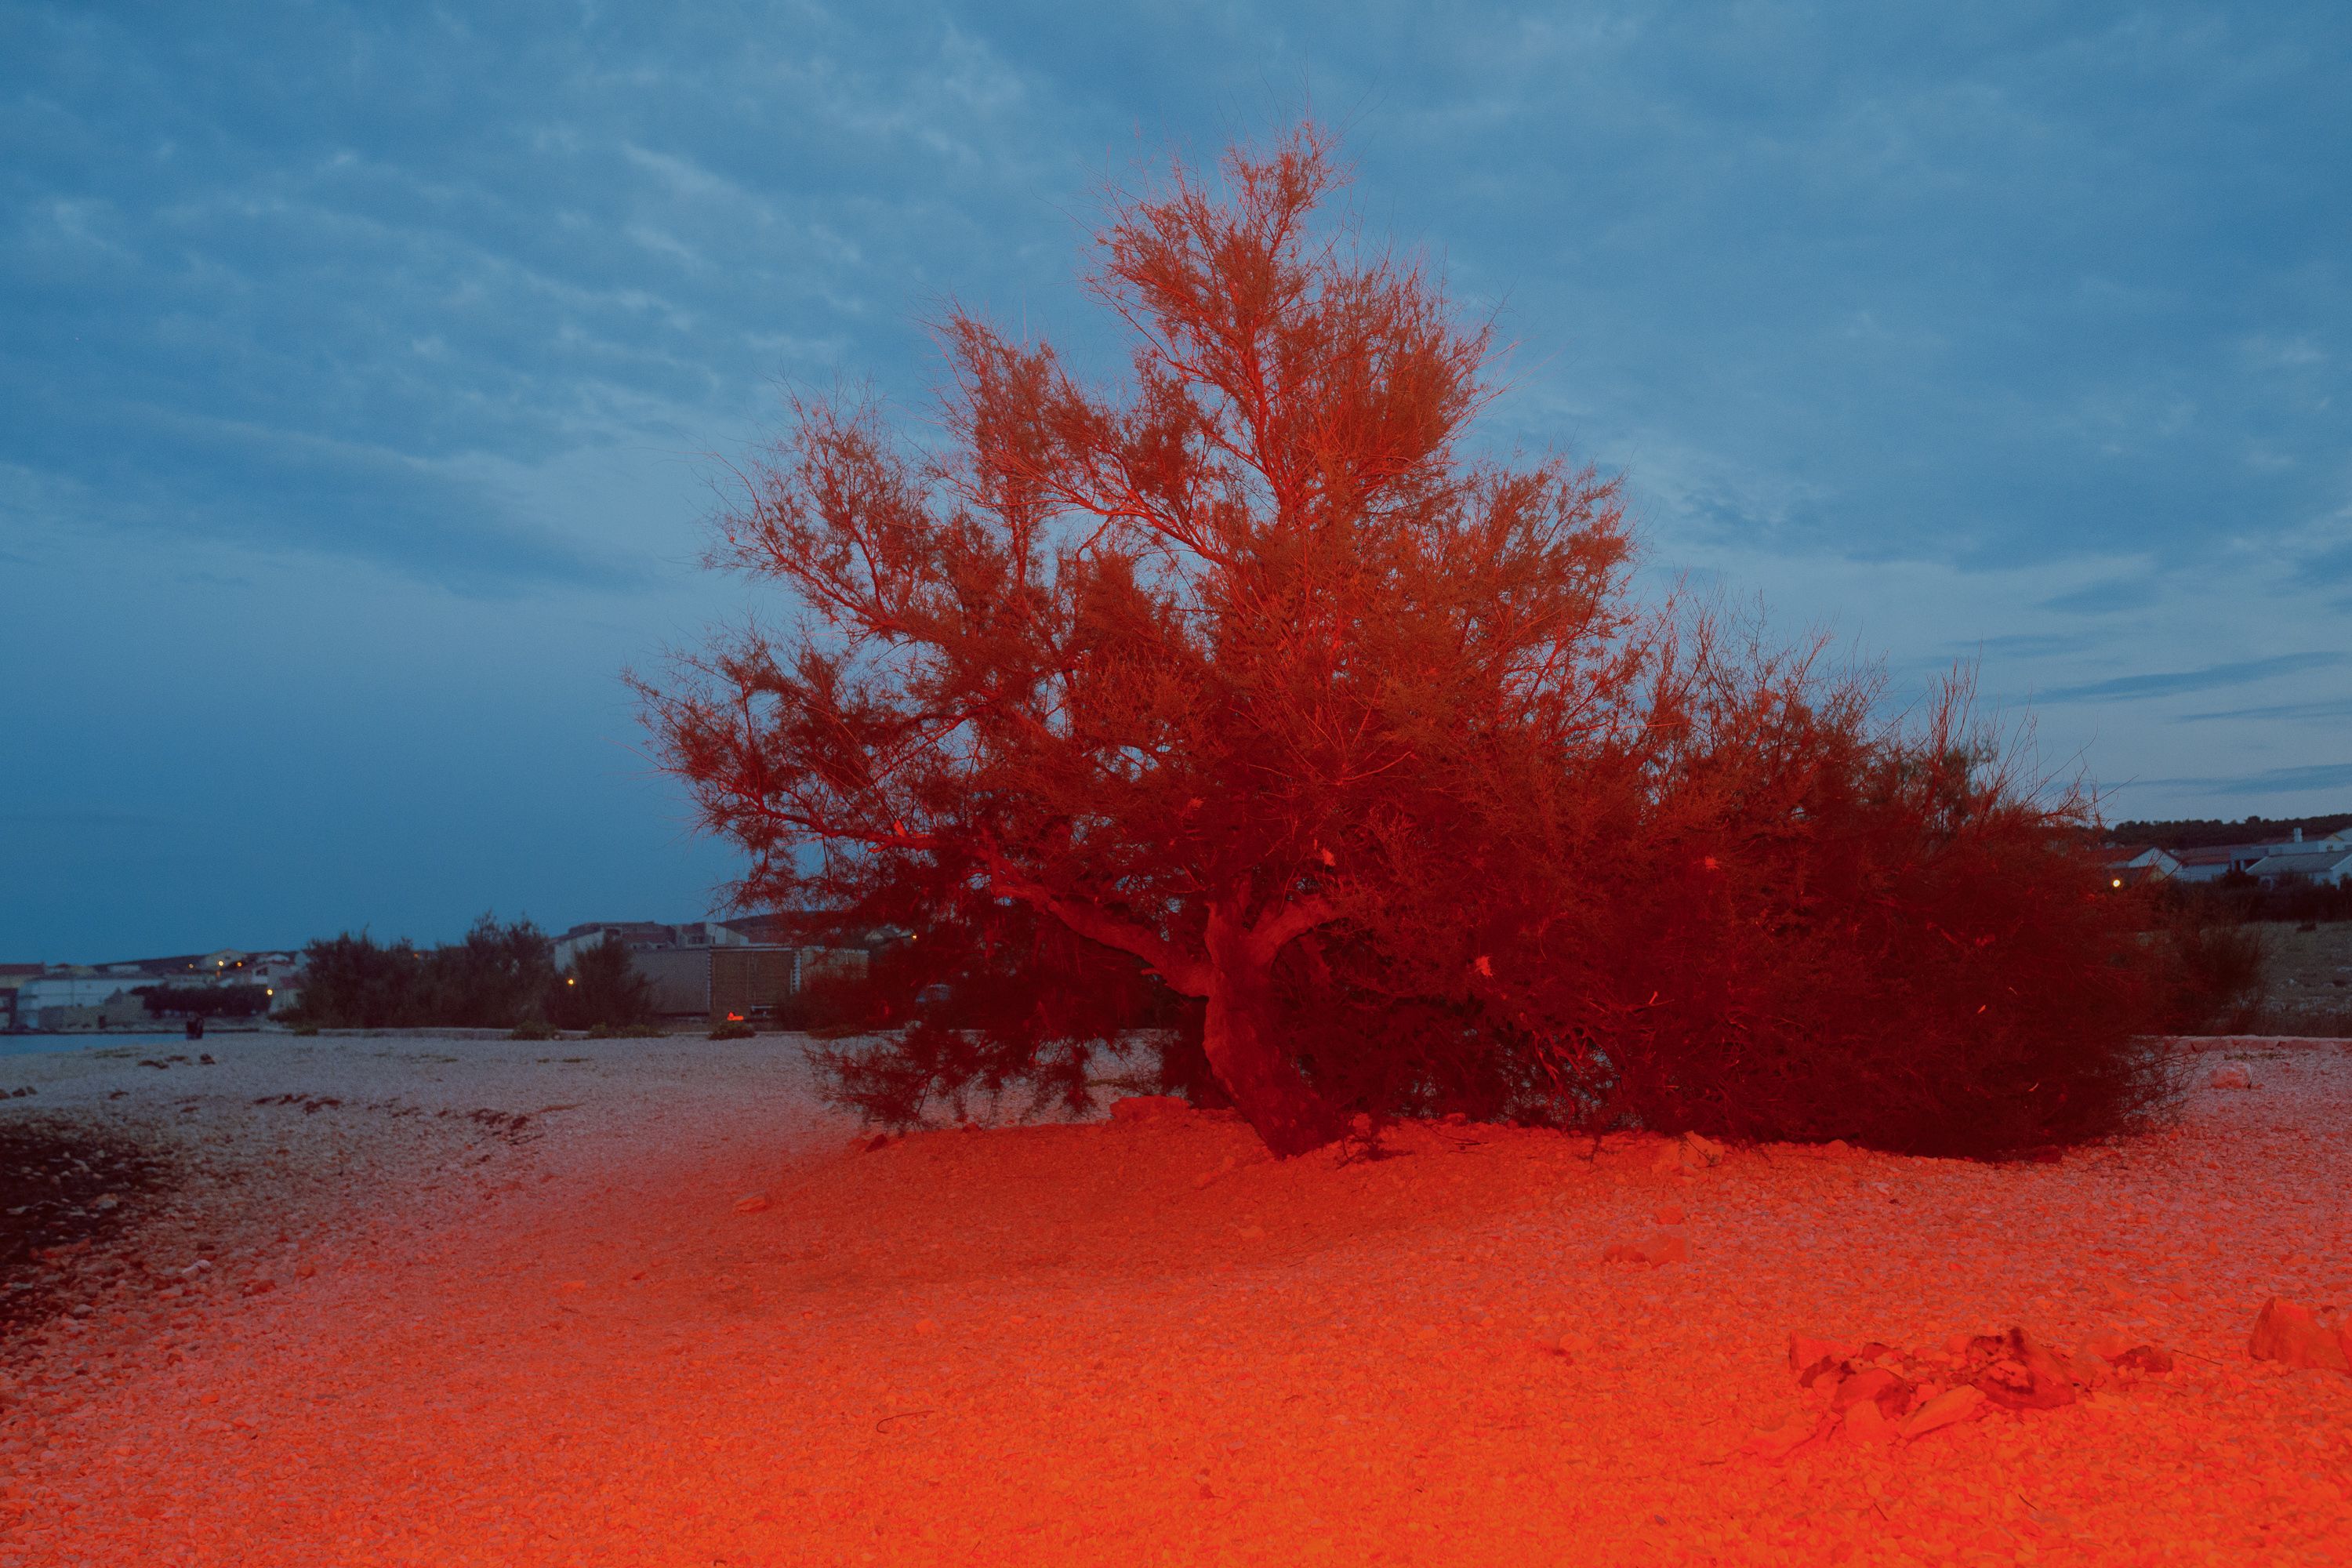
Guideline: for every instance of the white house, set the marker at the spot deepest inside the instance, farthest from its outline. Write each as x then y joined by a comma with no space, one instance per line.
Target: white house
2325,863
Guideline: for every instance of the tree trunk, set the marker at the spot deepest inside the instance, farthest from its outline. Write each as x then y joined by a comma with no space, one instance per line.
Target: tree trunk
1242,1041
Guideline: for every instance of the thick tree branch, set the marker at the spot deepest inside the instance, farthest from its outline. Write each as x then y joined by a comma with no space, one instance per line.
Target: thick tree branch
1186,975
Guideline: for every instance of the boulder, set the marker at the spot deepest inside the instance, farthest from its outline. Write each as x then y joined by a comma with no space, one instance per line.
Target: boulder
2288,1333
1655,1251
751,1202
1864,1421
2016,1372
1948,1408
1668,1214
2232,1075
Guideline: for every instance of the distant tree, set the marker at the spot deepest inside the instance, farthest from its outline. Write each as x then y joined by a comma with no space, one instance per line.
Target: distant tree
1197,669
600,985
206,1001
353,982
495,978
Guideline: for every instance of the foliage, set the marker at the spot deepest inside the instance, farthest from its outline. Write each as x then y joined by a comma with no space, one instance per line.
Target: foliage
1249,685
1025,1008
2210,972
732,1029
601,987
206,1001
353,982
533,1029
496,977
1179,668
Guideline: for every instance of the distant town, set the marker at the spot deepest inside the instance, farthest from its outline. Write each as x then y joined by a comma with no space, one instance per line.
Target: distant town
744,970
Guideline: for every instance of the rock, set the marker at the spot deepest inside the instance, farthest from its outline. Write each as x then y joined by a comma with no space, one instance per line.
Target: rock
104,1202
1668,1214
1655,1251
1865,1421
2232,1075
2016,1372
260,1287
1806,1352
2145,1359
1874,1385
1699,1149
1949,1408
1149,1107
1786,1439
2288,1333
751,1202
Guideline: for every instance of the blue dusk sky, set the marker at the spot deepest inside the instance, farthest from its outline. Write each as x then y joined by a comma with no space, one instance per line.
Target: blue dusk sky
368,370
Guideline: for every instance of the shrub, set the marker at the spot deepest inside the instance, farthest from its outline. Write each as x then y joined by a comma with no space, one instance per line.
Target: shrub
602,986
533,1029
732,1029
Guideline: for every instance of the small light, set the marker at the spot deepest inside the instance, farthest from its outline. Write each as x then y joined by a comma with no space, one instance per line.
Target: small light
2117,882
573,980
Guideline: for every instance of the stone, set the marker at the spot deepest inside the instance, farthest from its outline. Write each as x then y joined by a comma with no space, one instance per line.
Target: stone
1787,1438
1948,1408
2016,1372
1699,1149
1865,1421
1668,1214
2286,1332
1875,1386
1806,1351
1655,1251
1149,1107
751,1202
2232,1075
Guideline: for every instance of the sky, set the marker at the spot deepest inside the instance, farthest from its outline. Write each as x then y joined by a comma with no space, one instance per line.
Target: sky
371,374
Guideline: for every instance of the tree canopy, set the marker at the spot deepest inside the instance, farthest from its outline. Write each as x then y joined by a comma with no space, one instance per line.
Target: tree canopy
1253,668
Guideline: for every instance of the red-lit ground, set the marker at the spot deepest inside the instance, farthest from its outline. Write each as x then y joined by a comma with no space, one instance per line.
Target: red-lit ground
564,1344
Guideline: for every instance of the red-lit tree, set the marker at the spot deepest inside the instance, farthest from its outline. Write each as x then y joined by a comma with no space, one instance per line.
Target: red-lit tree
1196,667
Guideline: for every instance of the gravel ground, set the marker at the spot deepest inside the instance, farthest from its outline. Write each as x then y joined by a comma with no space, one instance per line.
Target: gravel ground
414,1302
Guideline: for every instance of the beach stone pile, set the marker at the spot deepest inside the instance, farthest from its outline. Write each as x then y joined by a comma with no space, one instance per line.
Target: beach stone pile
1874,1393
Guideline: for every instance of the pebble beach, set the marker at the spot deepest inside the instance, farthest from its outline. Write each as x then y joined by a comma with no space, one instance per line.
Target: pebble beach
430,1301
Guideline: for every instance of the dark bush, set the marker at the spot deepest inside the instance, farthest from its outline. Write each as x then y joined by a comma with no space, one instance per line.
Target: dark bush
1018,1007
601,987
732,1029
2210,974
206,1001
495,977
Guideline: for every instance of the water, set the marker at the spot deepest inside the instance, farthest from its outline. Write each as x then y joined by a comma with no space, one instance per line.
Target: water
144,1045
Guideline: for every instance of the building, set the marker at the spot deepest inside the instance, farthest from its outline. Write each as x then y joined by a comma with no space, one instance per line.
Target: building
646,936
2128,864
2323,864
12,976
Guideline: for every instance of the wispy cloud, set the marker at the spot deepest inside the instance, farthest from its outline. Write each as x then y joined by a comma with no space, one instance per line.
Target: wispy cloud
2212,677
2328,708
2271,781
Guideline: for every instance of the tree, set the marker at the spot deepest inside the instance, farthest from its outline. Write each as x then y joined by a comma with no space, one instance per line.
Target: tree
1197,669
600,985
496,977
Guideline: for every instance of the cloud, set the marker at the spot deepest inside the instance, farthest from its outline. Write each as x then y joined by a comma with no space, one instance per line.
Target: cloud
2332,708
2104,598
2271,781
2241,673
